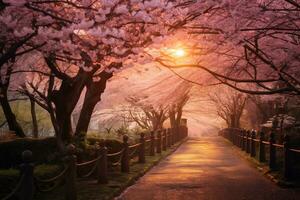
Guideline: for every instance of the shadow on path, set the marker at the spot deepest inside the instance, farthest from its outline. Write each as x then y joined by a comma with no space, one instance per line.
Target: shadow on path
206,169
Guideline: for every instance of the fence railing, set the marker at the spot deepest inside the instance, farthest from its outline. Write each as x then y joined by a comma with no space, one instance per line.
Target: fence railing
247,140
98,168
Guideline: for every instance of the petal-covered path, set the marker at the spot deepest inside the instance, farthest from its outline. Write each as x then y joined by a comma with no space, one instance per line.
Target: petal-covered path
206,169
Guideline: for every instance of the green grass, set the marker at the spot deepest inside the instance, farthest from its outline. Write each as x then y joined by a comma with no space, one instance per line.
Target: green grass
9,177
89,189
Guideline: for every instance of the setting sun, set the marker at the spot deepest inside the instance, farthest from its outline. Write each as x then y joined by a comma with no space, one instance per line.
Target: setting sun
179,52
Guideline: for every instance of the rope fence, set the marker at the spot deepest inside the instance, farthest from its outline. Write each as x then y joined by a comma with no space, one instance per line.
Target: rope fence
158,141
267,151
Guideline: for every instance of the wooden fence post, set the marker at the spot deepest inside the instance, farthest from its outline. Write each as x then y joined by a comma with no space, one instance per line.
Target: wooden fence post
142,149
262,155
234,137
102,176
168,135
253,148
247,142
70,177
27,189
158,143
171,136
164,143
152,143
125,155
272,162
243,140
287,159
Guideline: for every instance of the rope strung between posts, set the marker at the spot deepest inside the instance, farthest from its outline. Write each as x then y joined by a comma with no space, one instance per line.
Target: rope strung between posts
133,153
118,162
90,172
14,192
89,163
134,146
115,154
295,150
51,181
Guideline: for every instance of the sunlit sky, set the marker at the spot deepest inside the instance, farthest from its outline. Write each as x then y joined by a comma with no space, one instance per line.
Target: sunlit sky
156,81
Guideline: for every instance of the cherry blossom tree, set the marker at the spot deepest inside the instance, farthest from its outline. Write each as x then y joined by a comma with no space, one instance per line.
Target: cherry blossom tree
251,46
81,45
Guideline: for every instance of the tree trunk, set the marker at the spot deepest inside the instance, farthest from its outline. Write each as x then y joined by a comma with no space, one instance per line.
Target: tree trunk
34,120
65,100
10,116
92,97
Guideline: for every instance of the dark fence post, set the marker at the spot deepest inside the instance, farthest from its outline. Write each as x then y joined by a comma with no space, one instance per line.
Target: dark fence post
253,148
27,189
272,163
158,143
262,155
243,140
173,136
287,159
168,138
142,149
247,142
70,177
102,164
164,143
152,143
125,155
234,136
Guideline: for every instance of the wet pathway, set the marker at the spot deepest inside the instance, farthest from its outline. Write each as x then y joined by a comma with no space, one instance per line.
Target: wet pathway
206,169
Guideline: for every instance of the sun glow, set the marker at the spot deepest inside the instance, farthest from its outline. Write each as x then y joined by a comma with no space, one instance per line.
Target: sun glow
179,53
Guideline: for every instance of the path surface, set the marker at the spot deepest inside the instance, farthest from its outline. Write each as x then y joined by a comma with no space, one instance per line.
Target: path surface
206,169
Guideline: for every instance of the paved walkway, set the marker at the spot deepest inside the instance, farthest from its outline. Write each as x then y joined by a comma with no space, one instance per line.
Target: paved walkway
206,169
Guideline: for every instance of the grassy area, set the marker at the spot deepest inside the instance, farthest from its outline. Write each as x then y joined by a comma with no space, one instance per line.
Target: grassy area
89,189
9,177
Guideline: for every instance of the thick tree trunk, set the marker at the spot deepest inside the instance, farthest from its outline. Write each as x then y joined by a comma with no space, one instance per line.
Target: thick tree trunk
10,116
34,120
92,97
65,100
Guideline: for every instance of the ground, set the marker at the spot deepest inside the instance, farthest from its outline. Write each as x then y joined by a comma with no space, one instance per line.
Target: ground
206,169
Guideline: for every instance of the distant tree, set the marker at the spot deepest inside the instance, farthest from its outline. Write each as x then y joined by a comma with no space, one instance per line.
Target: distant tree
146,116
229,106
176,109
